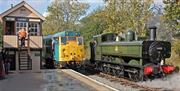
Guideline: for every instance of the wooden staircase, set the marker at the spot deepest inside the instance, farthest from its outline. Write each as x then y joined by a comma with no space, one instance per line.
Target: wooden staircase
25,61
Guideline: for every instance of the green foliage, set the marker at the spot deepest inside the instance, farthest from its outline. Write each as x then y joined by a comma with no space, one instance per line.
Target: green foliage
63,14
92,25
117,16
176,47
122,14
172,15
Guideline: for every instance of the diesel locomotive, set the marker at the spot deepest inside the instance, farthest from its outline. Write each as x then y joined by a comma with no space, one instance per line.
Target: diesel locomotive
128,57
66,48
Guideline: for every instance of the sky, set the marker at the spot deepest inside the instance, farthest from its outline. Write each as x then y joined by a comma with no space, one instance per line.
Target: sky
41,5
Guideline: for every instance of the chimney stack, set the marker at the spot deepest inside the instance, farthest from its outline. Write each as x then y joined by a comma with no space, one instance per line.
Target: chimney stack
152,33
12,6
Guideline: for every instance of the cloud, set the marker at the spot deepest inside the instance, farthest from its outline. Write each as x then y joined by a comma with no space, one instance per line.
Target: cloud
158,1
45,14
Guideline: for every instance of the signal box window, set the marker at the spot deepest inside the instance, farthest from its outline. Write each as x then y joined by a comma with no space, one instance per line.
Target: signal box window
34,29
20,25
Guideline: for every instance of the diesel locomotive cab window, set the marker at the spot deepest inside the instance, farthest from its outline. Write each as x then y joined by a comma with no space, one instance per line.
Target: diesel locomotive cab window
80,41
56,40
63,40
71,38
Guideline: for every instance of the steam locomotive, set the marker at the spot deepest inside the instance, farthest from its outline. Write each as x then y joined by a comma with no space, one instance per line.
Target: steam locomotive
136,59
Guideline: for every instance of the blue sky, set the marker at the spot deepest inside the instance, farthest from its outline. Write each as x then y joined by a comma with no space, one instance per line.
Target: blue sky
41,5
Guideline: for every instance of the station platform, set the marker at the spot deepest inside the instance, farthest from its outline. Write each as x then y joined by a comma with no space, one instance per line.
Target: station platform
46,80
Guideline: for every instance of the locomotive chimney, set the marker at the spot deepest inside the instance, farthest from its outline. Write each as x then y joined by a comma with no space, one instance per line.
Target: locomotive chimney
152,33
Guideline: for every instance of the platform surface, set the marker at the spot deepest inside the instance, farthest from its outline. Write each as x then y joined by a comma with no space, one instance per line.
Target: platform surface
47,80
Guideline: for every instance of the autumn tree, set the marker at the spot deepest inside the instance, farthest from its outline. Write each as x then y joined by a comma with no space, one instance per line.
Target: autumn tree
64,14
172,15
123,14
171,18
92,25
117,16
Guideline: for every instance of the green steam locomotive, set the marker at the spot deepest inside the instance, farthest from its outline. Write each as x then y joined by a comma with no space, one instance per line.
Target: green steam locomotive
127,57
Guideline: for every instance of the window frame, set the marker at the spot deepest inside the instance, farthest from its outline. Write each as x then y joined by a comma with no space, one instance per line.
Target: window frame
82,41
34,28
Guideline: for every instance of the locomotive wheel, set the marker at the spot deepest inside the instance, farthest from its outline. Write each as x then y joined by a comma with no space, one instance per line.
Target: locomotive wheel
100,67
114,72
118,71
133,76
136,76
108,69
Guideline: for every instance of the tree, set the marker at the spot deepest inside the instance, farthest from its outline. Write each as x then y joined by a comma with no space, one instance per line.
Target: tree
117,16
172,15
92,25
64,14
123,14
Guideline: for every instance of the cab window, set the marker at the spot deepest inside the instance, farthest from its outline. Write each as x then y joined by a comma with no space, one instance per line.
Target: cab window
71,38
63,40
80,41
55,40
109,37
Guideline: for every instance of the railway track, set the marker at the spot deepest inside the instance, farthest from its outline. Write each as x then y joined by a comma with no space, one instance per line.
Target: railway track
126,82
89,81
123,81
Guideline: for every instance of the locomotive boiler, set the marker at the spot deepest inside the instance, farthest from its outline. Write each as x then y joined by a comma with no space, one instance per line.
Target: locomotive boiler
132,58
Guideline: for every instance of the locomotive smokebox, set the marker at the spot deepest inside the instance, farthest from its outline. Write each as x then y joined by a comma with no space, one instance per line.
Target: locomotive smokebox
152,33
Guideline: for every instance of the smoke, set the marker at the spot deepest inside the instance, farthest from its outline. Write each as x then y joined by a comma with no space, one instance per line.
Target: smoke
169,83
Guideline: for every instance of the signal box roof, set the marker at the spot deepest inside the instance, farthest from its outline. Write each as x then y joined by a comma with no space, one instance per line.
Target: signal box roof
22,4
